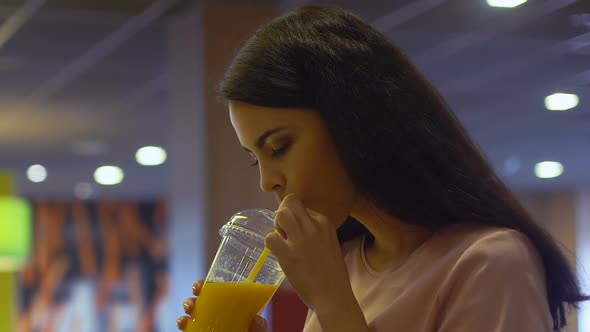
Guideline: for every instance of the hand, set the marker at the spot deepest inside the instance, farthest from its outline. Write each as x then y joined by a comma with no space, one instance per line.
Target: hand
189,304
259,324
310,255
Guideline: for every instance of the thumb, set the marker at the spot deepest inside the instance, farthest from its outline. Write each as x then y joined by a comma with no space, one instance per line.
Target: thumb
259,325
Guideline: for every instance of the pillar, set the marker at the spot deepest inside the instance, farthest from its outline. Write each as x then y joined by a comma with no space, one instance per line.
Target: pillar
566,215
210,177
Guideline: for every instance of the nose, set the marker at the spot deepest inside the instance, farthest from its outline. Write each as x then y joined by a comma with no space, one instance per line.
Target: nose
271,180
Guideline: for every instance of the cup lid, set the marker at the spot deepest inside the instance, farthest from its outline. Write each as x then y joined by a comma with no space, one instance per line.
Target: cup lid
254,223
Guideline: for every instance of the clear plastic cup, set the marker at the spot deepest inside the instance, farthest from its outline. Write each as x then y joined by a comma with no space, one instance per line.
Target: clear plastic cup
228,301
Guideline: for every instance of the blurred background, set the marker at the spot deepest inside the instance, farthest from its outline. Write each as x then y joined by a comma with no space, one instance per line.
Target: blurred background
111,131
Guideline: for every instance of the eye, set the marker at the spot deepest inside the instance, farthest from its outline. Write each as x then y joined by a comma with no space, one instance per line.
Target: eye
282,150
275,152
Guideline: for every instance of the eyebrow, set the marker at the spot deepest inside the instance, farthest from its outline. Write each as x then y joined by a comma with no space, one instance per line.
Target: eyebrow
262,138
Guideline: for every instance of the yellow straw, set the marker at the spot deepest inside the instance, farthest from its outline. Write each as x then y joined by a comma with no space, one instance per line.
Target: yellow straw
258,266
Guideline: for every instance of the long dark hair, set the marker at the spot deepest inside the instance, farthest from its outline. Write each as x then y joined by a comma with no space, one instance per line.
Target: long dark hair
400,142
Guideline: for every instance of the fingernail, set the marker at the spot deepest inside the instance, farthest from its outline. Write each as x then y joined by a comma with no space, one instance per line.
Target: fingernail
178,322
185,305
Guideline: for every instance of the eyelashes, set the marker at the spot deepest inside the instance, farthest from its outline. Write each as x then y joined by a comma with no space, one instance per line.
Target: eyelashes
275,153
281,151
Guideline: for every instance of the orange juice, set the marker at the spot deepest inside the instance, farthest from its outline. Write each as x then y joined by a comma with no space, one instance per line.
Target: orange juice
229,307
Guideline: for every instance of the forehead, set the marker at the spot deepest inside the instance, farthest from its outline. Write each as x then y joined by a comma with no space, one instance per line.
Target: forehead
250,119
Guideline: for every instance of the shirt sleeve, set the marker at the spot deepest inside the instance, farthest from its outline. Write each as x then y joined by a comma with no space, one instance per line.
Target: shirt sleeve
498,285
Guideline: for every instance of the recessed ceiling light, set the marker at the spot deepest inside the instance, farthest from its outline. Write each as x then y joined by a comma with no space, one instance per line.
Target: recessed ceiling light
36,173
506,3
150,156
548,169
108,175
561,101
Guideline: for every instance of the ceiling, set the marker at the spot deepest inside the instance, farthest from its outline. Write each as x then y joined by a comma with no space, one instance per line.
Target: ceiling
77,73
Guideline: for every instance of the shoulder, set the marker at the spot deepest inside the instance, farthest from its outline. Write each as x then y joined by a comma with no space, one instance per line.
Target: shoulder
501,258
493,273
495,246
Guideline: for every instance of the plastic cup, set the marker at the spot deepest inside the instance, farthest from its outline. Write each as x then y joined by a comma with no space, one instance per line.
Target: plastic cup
229,301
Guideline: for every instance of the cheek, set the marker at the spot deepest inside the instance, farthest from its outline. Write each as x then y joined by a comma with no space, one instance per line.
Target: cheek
324,185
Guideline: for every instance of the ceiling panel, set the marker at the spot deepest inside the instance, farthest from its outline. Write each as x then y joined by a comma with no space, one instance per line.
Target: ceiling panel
495,66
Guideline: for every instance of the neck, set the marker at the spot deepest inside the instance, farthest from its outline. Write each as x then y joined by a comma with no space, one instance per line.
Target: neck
394,239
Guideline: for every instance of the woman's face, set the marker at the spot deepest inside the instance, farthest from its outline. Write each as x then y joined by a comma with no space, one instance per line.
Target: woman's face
295,153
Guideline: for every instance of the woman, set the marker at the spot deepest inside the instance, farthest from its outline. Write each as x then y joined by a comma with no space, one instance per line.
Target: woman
391,218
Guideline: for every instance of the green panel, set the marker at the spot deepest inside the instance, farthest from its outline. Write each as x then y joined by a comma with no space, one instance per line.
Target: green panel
15,232
8,302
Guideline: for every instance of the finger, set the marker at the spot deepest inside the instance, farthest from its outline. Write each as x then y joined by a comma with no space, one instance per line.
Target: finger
277,246
296,206
259,325
286,223
181,322
197,286
189,304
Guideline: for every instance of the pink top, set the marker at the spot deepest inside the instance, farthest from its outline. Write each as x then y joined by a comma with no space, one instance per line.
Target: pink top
463,279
